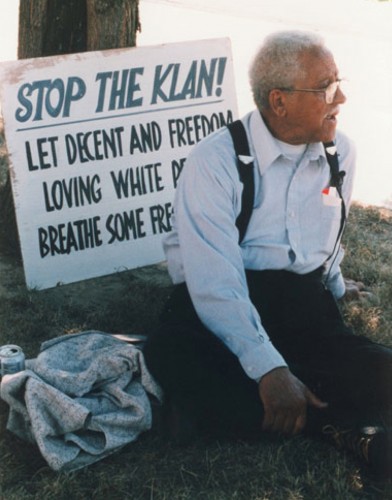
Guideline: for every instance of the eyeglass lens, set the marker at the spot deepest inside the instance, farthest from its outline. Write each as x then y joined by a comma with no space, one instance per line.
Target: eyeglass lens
330,91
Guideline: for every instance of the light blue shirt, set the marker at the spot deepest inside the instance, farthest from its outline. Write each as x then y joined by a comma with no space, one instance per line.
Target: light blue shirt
294,226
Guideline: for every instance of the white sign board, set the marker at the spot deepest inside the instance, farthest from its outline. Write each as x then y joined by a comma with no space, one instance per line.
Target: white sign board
97,141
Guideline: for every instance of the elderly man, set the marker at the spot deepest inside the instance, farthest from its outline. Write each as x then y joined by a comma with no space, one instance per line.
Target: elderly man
252,339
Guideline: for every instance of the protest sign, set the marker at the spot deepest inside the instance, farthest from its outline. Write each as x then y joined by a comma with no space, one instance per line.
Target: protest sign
96,144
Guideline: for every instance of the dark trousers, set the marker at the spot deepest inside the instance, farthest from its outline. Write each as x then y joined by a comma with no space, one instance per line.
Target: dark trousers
204,380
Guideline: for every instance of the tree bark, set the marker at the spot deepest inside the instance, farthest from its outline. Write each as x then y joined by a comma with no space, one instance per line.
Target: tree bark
51,27
112,24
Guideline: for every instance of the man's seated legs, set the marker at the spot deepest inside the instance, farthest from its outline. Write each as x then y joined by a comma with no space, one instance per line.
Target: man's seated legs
206,390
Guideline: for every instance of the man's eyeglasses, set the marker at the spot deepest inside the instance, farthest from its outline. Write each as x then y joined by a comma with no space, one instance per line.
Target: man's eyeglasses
330,91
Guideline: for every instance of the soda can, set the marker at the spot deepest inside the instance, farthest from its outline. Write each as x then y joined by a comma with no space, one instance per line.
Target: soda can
12,359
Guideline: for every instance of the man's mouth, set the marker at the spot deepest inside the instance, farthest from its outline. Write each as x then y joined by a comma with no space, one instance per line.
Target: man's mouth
332,116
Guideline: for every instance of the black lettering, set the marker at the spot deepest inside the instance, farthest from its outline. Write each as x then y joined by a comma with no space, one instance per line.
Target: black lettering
51,96
94,145
198,81
159,80
46,156
137,181
72,236
191,129
125,226
24,113
55,109
44,248
160,216
176,168
145,138
72,192
30,162
123,87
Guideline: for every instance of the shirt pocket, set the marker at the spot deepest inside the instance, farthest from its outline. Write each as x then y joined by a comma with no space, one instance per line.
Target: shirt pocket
331,216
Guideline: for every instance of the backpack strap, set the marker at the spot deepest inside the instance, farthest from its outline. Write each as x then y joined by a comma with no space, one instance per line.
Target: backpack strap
245,170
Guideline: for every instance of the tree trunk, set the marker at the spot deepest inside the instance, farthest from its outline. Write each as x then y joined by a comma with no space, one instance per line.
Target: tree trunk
51,27
112,24
54,27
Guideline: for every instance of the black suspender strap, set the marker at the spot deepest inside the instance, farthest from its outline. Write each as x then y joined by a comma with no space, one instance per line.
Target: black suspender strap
336,181
246,174
245,170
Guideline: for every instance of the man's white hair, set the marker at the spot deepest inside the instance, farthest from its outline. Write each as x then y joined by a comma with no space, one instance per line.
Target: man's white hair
276,64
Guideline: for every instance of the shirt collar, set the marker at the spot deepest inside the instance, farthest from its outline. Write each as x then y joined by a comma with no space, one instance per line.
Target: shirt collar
316,151
266,148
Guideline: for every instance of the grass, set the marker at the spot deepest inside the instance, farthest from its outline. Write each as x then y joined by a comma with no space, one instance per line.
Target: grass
151,468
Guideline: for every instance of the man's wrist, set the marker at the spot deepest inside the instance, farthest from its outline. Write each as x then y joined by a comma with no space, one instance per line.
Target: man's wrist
261,360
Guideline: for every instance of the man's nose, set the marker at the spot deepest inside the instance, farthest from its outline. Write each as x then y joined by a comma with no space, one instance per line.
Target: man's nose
340,96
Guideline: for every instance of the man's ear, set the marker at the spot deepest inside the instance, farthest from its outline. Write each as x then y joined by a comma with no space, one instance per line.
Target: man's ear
277,102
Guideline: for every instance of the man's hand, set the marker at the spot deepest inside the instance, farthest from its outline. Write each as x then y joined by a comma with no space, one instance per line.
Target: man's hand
285,400
355,290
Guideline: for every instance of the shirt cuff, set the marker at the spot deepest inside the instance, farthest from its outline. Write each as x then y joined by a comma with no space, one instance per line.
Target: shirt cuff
261,360
336,286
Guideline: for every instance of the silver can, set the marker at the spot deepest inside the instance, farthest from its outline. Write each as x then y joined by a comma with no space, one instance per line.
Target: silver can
12,359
